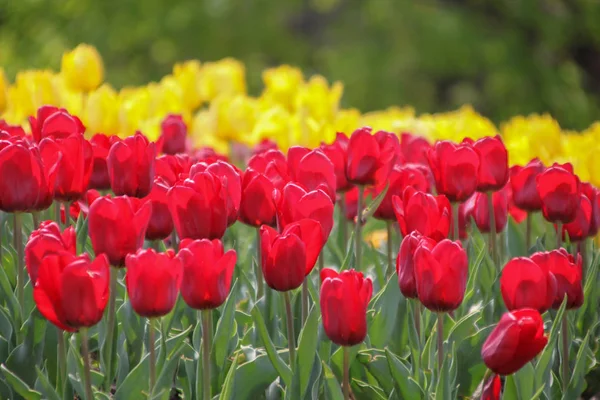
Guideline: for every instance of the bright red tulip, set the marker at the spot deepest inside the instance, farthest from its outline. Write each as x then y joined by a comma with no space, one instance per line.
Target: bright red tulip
527,284
54,122
46,240
81,206
568,274
101,145
414,148
75,159
350,200
337,154
579,228
405,263
207,273
427,214
481,211
370,157
455,168
493,164
312,169
173,168
516,340
12,130
72,292
131,166
441,274
264,145
400,178
273,165
153,280
173,135
199,206
117,226
492,388
517,213
593,194
523,181
559,191
161,222
207,155
344,300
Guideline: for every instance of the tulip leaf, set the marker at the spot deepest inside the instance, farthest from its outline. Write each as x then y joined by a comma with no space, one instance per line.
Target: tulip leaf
165,377
349,254
367,391
307,349
7,293
135,385
29,352
46,387
577,381
465,326
545,360
406,386
229,383
333,388
253,377
442,389
18,385
375,203
282,368
389,306
376,363
225,326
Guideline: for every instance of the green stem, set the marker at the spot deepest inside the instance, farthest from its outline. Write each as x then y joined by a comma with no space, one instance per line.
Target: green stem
492,233
206,345
67,206
18,236
346,367
61,376
304,299
35,217
565,349
528,231
440,341
85,353
259,276
358,232
582,249
290,330
390,244
174,243
559,229
110,324
455,231
321,262
151,343
57,213
343,222
418,318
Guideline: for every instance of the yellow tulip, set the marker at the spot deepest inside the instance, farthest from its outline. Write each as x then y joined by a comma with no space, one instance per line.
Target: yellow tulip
274,124
82,68
532,136
347,120
3,91
101,112
224,77
133,109
320,101
281,84
203,132
188,75
386,119
31,90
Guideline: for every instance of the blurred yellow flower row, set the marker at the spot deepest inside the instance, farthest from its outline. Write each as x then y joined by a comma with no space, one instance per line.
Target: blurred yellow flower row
212,98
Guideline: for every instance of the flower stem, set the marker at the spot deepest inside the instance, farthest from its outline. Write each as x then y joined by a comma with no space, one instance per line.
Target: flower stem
57,213
565,349
67,213
582,250
418,318
61,376
343,222
492,233
18,236
151,343
390,244
110,325
304,300
85,352
259,276
174,244
358,231
440,340
206,345
559,229
346,366
455,231
528,232
35,217
290,330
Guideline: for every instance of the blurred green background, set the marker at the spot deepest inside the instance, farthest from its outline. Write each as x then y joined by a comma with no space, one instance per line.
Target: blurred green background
506,57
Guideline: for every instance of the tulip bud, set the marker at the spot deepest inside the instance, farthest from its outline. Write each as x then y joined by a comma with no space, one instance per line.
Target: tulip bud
82,68
568,273
131,166
559,191
455,169
47,240
527,284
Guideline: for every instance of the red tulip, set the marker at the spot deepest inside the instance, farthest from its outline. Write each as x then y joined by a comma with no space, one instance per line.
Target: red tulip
74,157
72,292
117,226
493,164
264,145
351,204
516,340
46,240
455,168
492,388
578,229
295,204
518,214
370,157
424,213
199,206
481,211
337,154
161,222
81,206
172,168
207,273
208,155
441,274
12,130
100,146
27,184
173,135
400,178
527,284
131,166
273,165
405,263
465,215
153,280
344,300
593,194
568,274
559,191
523,181
257,206
54,123
312,170
414,148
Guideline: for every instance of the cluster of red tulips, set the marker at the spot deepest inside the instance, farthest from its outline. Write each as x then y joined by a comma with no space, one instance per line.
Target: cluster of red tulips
165,194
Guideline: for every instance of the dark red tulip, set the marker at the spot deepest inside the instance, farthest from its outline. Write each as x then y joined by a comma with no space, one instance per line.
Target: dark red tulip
27,184
414,148
527,284
312,169
161,222
400,178
100,146
559,191
493,164
578,229
441,274
257,206
46,240
523,181
74,158
518,214
72,292
153,280
465,215
344,300
55,123
455,168
492,388
208,155
12,130
117,226
207,273
173,135
370,157
173,168
311,234
481,211
295,203
81,206
351,204
273,165
568,274
405,263
516,340
264,145
593,194
337,154
427,214
131,166
391,154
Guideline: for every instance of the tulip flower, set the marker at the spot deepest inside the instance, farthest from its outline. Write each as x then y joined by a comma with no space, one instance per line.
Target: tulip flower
493,164
74,158
55,123
153,280
199,206
208,155
568,273
263,146
441,272
424,213
47,240
370,157
414,148
578,228
173,135
527,284
337,153
559,190
72,292
312,170
273,165
11,130
481,213
82,68
131,166
101,145
593,194
207,273
172,168
492,388
516,340
405,262
117,226
400,178
81,206
455,169
257,206
523,181
161,222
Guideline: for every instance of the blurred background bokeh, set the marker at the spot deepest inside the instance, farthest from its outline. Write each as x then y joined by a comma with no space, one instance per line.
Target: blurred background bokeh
505,57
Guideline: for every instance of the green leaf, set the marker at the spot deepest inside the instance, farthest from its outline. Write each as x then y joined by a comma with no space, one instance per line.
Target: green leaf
19,386
465,326
307,349
405,384
229,384
167,372
375,203
577,381
47,389
333,389
135,385
545,360
253,377
282,368
225,325
349,254
442,389
376,363
30,351
383,325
